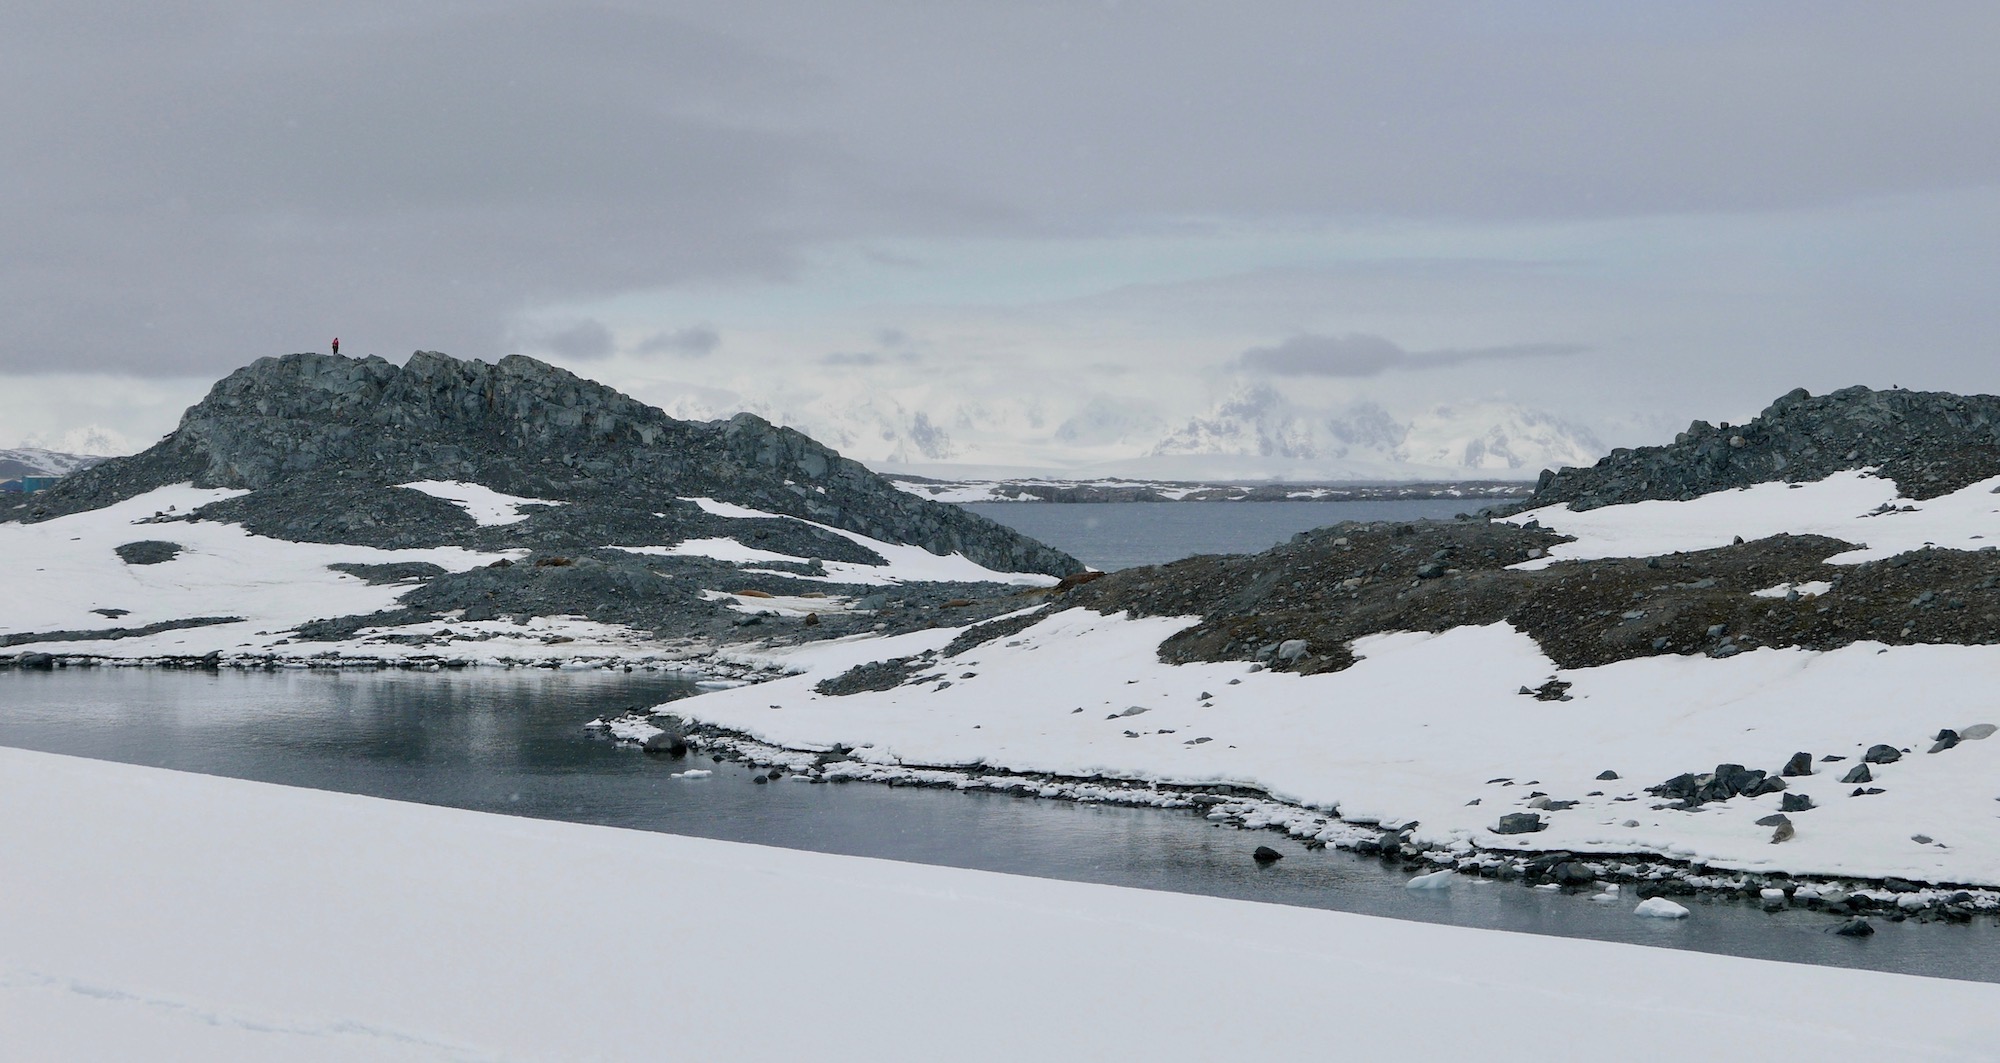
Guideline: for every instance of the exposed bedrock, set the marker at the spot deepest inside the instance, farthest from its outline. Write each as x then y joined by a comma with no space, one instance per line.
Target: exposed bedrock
1931,443
321,442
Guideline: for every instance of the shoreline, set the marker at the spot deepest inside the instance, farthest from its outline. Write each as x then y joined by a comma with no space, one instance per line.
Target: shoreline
1250,808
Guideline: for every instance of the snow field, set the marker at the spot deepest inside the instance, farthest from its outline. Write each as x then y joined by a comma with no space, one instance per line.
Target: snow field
160,915
1855,506
60,570
487,507
1431,729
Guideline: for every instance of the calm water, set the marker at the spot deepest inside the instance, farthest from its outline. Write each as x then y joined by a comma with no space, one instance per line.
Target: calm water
512,742
1115,535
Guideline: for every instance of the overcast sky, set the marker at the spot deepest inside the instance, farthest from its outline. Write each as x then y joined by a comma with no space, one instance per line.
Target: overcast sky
1627,215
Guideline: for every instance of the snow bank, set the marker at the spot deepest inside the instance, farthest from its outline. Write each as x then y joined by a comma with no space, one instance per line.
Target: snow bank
906,564
1855,506
159,915
1432,729
489,508
60,571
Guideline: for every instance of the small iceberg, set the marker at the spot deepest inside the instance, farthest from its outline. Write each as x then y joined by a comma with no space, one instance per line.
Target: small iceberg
695,773
1660,908
1436,880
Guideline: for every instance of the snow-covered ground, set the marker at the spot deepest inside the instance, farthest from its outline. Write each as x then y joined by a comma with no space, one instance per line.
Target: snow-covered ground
1433,730
65,574
166,916
1856,506
487,507
61,571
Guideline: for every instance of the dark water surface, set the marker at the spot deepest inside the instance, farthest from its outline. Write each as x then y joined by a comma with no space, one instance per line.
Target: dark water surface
1115,535
512,742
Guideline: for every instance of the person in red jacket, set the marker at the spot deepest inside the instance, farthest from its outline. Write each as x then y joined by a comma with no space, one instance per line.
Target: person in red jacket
336,345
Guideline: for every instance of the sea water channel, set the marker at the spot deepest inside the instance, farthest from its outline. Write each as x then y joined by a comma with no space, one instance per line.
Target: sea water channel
513,742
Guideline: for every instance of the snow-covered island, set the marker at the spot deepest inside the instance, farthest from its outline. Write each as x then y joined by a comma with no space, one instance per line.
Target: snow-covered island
1712,665
1754,659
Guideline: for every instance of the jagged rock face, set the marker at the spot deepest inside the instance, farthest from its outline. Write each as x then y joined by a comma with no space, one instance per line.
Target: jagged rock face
1931,443
319,439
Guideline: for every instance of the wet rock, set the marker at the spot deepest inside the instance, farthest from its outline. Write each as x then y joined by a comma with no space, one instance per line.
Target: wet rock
1266,856
1855,928
671,742
1881,754
38,661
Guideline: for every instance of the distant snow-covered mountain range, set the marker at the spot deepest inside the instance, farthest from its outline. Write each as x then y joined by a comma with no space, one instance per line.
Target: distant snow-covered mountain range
1256,432
34,461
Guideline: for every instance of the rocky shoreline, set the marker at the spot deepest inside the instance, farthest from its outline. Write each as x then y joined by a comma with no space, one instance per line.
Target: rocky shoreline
1645,875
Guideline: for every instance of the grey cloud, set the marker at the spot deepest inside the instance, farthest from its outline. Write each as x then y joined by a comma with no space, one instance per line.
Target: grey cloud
1361,355
868,358
583,339
695,341
185,190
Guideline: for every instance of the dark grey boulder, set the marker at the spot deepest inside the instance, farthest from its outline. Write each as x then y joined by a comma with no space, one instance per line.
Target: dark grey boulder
670,742
1520,823
1881,754
1858,774
1800,764
1946,739
148,552
1855,928
1265,855
1796,803
1607,775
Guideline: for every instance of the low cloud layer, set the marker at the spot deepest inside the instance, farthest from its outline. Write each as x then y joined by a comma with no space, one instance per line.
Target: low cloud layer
1361,355
697,341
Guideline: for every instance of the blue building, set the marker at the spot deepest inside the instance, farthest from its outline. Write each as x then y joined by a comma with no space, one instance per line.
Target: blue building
10,487
31,484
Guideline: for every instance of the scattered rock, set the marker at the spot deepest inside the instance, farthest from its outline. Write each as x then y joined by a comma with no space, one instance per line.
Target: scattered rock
1520,823
1800,764
1796,803
1946,739
1607,775
671,742
1855,928
1266,856
148,552
1292,649
1858,774
1881,754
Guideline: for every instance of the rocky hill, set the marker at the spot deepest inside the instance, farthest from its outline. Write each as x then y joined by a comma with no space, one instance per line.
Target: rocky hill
592,497
1929,442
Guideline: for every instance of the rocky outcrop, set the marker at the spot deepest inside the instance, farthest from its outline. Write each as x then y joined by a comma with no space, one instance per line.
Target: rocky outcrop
1931,443
320,441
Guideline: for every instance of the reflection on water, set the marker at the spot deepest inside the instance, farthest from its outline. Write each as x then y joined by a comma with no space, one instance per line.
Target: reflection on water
512,742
